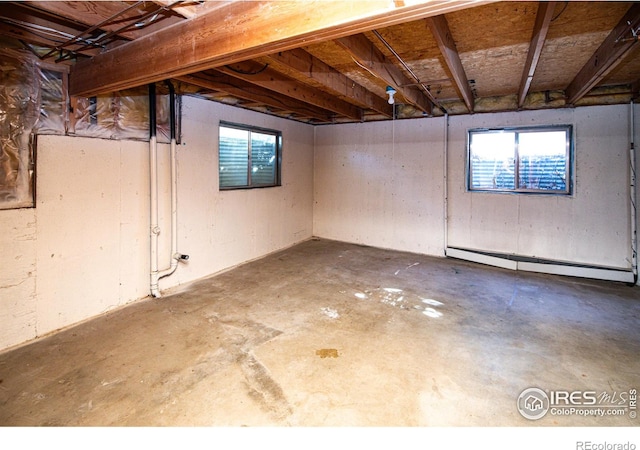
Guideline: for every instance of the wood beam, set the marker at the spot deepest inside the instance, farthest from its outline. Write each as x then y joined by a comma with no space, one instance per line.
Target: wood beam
261,75
610,53
247,91
441,32
538,37
369,56
317,70
241,31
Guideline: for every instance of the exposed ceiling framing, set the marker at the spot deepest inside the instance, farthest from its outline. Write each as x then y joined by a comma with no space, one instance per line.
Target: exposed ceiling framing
538,37
611,52
329,61
371,59
442,34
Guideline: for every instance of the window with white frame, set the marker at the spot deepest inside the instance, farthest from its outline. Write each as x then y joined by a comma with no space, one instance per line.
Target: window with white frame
523,160
249,157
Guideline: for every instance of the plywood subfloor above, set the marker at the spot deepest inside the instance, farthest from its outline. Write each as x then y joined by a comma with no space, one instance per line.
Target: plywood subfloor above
454,57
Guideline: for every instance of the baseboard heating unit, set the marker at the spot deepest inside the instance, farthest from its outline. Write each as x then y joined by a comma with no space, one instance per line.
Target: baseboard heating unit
515,262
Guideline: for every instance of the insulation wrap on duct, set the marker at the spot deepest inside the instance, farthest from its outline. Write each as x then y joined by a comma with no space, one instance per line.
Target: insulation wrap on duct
54,113
19,112
119,115
33,100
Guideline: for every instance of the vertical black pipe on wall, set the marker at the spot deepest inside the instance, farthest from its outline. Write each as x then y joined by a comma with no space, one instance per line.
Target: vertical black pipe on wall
172,110
152,111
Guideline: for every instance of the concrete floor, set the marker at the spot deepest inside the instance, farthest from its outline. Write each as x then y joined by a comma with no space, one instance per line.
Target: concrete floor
334,334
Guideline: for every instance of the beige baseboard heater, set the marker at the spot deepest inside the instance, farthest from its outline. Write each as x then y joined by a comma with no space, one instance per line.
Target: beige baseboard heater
515,262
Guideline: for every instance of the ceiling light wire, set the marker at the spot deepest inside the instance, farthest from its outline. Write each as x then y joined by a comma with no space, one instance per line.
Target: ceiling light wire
408,69
366,68
39,30
560,13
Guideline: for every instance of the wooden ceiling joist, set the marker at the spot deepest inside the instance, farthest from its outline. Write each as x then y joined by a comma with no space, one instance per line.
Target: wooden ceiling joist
538,37
610,53
38,28
369,56
442,34
261,75
35,39
211,39
90,13
253,93
315,69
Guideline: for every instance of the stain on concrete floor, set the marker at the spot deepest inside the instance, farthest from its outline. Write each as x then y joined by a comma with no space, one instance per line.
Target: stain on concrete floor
334,334
327,353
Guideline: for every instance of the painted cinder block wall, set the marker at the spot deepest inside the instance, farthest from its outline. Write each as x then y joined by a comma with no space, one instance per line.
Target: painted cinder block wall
382,184
84,249
590,227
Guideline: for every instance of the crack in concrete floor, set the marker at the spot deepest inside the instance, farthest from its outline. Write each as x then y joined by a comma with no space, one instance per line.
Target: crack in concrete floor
420,341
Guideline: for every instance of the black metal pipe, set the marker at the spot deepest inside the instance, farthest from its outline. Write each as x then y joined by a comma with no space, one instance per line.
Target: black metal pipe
172,109
152,110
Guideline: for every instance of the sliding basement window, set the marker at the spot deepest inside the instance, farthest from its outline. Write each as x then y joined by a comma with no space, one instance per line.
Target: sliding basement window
249,157
521,160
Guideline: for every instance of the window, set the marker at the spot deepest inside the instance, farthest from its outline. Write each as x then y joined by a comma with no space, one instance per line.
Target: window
534,160
249,157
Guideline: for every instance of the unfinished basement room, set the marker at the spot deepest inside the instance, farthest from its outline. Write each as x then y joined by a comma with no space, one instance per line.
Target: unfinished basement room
320,213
